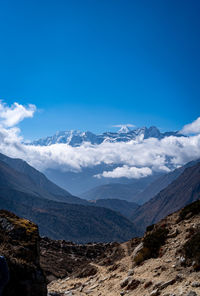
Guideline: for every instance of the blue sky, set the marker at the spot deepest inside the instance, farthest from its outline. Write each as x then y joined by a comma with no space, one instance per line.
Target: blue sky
89,65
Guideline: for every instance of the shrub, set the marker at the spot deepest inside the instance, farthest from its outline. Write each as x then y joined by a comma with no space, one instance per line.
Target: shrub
150,228
154,240
151,245
191,210
192,250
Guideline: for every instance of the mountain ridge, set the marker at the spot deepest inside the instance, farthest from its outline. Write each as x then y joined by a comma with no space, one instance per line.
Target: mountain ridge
76,138
182,191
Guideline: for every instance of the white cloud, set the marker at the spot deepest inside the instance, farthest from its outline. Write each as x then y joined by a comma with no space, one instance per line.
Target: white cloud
127,172
191,128
134,159
11,116
124,125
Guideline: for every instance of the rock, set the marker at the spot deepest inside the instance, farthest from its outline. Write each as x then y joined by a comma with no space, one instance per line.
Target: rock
157,285
125,282
179,277
195,284
168,261
70,259
148,284
191,293
173,234
155,292
68,293
130,272
136,250
94,286
163,268
182,260
88,270
102,280
166,284
133,284
22,255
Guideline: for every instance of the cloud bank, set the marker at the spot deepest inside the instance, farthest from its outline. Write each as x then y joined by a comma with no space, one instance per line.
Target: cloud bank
11,116
134,159
127,172
191,128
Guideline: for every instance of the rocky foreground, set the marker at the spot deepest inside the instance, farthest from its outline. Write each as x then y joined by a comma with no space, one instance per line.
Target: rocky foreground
19,243
165,262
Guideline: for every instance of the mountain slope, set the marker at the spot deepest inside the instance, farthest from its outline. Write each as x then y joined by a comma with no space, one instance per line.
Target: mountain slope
25,191
184,190
122,206
17,174
171,270
68,221
126,191
161,183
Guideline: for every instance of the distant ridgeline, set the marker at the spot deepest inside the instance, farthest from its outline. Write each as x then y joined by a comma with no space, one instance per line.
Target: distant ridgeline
125,134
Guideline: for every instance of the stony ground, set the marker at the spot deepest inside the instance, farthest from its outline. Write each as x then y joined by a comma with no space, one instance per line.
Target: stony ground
166,275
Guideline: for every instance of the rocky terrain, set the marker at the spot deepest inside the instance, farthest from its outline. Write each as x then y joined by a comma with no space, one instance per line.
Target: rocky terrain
19,243
166,261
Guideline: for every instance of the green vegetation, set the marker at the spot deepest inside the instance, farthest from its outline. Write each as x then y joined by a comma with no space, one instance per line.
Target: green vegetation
190,210
151,244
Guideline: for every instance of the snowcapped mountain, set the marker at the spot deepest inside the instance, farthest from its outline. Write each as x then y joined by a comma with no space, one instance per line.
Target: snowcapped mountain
76,138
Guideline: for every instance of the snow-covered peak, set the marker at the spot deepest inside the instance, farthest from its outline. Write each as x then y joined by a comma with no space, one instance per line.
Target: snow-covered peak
76,138
124,129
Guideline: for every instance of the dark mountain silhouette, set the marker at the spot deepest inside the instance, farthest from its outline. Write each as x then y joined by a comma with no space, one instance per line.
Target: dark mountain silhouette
19,175
71,222
184,190
28,195
124,191
122,206
160,183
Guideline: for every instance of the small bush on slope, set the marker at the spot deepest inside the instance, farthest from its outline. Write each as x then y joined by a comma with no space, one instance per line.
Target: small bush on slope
151,244
192,250
190,211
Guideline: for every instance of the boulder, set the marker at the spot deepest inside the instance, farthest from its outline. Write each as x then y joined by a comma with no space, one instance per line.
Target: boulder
19,243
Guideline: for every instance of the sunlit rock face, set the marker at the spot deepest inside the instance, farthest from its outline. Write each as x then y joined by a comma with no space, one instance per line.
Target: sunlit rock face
19,243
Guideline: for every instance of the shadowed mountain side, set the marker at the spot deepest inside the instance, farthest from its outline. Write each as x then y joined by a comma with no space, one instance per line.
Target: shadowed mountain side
184,190
122,206
161,183
17,174
76,223
124,191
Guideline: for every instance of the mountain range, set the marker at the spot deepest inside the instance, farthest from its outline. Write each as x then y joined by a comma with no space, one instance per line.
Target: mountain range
138,191
83,183
60,215
76,138
28,193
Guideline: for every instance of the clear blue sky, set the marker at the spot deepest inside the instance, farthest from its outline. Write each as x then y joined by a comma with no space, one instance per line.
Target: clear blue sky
90,64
